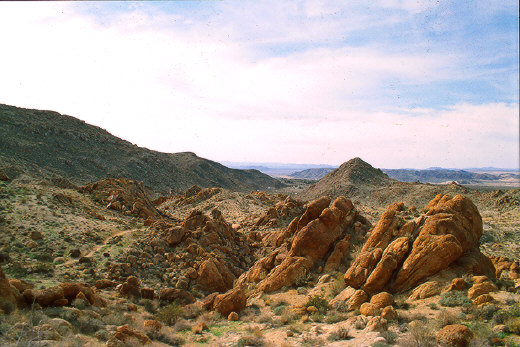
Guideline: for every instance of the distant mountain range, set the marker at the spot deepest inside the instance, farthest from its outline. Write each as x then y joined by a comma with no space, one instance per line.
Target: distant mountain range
52,143
431,175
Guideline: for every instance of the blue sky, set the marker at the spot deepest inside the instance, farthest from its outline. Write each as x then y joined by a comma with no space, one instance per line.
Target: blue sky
398,83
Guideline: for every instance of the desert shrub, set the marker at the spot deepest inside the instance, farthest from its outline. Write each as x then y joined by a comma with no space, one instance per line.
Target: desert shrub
389,336
445,317
264,318
319,302
513,325
166,338
80,304
510,301
6,307
501,316
254,338
309,340
192,311
317,317
182,324
337,285
481,330
280,308
454,298
339,334
515,310
88,325
504,284
289,317
335,316
169,314
486,312
116,318
150,306
401,304
487,238
433,306
210,318
418,336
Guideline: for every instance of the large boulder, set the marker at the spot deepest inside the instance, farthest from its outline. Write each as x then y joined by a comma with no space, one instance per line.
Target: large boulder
234,300
401,254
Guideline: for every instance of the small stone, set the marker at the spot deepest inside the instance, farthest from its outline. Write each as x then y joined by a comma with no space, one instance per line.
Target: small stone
233,316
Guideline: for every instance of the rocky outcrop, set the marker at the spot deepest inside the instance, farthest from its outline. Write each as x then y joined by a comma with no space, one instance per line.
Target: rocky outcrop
402,253
122,194
319,234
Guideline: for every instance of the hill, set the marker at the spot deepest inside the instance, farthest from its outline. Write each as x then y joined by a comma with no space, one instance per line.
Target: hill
351,176
53,143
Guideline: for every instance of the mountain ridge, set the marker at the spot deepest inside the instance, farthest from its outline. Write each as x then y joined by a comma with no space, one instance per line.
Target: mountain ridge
63,145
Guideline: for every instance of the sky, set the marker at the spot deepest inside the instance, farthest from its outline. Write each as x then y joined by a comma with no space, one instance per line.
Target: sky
399,83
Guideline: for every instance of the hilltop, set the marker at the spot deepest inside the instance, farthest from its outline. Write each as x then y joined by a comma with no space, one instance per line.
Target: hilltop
52,143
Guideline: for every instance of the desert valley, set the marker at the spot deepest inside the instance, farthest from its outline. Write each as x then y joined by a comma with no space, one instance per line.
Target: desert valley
106,243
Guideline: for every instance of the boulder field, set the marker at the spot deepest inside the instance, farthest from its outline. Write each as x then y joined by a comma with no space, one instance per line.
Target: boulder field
404,250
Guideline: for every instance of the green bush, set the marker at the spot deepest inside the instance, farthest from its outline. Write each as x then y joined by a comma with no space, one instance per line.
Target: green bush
169,314
319,302
454,298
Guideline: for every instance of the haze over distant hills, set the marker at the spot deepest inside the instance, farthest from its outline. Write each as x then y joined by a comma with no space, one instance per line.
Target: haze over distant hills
58,144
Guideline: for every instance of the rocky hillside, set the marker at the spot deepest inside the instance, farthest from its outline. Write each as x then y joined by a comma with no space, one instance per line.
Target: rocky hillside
58,144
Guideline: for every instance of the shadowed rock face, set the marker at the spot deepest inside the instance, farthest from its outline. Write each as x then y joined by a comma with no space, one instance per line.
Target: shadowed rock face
399,255
320,234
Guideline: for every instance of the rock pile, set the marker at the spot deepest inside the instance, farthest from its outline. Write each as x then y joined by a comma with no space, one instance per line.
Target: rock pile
121,194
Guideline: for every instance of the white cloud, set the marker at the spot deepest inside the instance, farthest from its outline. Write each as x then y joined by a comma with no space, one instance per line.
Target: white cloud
175,84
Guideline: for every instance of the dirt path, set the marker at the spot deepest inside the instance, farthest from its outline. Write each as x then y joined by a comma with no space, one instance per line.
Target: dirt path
98,247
